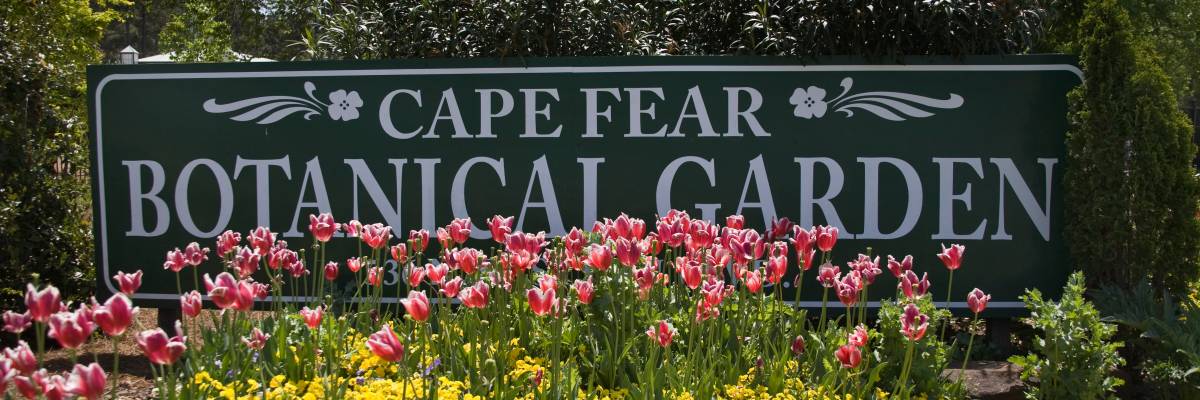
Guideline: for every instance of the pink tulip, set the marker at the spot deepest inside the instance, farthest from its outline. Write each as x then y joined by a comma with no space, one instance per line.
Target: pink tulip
847,289
542,302
71,329
374,276
245,262
54,387
977,301
176,260
437,273
777,263
952,256
159,348
898,268
600,257
829,275
322,226
386,345
585,290
415,275
376,236
913,323
261,239
353,228
87,382
7,373
690,271
849,355
798,345
354,264
227,292
475,296
452,287
628,253
115,315
331,271
42,304
444,239
190,304
826,237
17,323
912,287
779,228
419,240
227,242
129,283
400,253
257,339
417,305
645,278
280,257
573,241
32,385
22,358
859,337
867,268
664,333
312,317
467,259
754,282
735,221
194,254
501,227
460,230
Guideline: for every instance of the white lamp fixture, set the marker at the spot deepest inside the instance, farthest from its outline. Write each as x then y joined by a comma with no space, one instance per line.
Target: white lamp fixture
129,55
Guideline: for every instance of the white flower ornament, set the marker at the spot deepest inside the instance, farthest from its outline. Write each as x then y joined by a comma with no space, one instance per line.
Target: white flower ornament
809,103
344,106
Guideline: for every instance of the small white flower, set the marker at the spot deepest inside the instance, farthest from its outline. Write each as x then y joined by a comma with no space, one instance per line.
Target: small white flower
810,103
344,106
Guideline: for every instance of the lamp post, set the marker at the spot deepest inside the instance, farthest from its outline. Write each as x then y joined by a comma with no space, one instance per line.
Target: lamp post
128,55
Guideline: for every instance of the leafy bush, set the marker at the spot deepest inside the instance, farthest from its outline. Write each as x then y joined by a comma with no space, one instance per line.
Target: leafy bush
1073,357
1168,341
1129,178
878,29
44,230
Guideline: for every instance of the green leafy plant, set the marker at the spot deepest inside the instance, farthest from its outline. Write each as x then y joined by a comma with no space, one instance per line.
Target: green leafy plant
930,356
1168,336
1073,356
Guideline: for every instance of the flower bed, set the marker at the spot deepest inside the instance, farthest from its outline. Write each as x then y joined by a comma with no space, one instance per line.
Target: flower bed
691,310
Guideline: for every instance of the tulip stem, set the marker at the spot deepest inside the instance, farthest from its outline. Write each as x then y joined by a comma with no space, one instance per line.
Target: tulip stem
949,285
116,368
967,356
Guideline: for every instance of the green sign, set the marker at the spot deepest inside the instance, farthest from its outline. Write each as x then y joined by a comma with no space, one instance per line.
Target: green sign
902,158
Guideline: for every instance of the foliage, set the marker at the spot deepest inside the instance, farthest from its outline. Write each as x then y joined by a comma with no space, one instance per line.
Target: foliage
1073,357
366,29
1170,27
44,47
1129,179
1171,336
195,35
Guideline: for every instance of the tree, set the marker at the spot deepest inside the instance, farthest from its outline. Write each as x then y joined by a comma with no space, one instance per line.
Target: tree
1130,186
44,197
196,35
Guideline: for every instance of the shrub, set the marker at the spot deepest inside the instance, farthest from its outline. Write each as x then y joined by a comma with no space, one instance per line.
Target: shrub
1168,337
1073,356
1129,178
